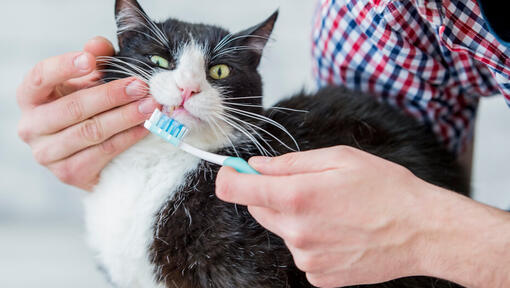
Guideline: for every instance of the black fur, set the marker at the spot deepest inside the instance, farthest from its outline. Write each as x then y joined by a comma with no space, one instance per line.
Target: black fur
205,242
208,243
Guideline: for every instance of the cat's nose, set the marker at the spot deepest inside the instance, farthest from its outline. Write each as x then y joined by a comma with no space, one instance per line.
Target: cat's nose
188,92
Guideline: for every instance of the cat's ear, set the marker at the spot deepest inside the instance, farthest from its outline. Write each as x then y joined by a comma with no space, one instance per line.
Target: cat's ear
257,36
129,16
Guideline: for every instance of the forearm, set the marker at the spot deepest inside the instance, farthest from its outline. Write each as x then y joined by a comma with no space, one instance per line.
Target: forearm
465,241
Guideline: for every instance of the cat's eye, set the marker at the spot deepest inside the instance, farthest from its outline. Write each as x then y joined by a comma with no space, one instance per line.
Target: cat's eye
218,72
160,61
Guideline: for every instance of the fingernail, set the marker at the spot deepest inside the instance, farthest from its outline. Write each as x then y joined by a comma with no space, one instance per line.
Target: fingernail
136,89
147,106
82,62
259,160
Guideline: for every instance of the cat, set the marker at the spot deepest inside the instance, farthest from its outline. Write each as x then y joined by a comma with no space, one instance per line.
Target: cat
154,220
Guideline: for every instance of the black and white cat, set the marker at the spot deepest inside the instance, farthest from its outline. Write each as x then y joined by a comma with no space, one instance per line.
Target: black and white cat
154,220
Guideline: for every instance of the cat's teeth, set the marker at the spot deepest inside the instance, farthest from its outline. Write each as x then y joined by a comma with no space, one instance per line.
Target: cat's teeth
168,109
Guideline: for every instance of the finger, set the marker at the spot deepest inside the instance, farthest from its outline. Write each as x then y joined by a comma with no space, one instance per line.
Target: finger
281,193
84,104
312,261
88,81
304,162
269,218
91,132
82,169
327,280
350,277
40,82
99,46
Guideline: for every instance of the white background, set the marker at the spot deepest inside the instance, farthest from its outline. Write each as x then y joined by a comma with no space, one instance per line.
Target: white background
41,231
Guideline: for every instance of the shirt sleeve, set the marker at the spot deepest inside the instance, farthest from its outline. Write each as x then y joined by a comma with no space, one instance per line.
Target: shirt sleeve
397,51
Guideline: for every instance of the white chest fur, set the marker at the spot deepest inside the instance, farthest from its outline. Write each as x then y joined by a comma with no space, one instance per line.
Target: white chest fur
120,213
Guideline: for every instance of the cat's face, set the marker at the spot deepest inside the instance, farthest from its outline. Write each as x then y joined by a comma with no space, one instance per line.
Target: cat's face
204,76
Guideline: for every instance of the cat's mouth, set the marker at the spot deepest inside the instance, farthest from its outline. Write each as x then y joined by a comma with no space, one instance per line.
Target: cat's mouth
178,111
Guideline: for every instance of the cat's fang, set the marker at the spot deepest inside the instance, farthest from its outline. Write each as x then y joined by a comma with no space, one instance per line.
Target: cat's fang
168,110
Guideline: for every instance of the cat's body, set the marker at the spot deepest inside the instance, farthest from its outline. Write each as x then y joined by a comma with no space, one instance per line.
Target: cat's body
154,219
155,214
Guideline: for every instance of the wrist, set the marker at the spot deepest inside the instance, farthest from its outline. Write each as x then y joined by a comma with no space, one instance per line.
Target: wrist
463,241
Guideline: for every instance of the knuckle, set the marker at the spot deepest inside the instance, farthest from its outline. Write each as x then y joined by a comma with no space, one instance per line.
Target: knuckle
323,281
222,186
400,170
36,74
315,279
264,191
75,110
108,147
91,130
289,159
295,202
297,238
111,91
305,263
342,149
64,173
126,114
40,155
342,152
24,132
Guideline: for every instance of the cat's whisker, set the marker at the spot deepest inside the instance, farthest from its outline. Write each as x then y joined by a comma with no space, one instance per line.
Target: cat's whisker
123,72
222,42
107,79
134,59
264,131
162,38
125,67
240,37
262,106
147,35
126,73
234,49
221,111
257,144
119,63
265,119
241,98
251,127
224,134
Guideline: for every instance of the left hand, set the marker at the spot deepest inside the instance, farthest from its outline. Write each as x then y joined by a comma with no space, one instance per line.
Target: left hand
348,217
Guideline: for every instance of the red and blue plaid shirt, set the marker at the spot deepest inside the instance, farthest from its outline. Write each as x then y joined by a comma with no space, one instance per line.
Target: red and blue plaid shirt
431,58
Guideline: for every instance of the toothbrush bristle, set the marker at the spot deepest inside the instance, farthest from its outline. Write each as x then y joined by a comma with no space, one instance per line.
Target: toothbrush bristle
166,126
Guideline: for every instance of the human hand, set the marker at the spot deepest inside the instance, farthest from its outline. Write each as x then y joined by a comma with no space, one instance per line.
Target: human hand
348,217
75,126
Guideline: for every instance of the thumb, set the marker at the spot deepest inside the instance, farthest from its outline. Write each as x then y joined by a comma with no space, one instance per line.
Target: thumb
311,161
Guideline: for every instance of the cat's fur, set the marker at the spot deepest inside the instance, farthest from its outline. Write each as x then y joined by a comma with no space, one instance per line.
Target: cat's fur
154,219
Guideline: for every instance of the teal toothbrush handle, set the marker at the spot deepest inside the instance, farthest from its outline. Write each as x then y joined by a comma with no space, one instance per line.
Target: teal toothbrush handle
240,165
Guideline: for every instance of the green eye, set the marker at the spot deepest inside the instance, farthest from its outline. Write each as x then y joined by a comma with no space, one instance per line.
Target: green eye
160,61
218,72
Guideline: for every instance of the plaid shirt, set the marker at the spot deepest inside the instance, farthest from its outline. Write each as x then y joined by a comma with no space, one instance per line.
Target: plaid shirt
431,58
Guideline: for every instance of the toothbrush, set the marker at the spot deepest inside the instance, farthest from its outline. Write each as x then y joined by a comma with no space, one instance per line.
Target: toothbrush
173,131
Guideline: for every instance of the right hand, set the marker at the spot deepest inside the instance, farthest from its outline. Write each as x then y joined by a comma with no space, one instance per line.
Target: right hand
74,126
